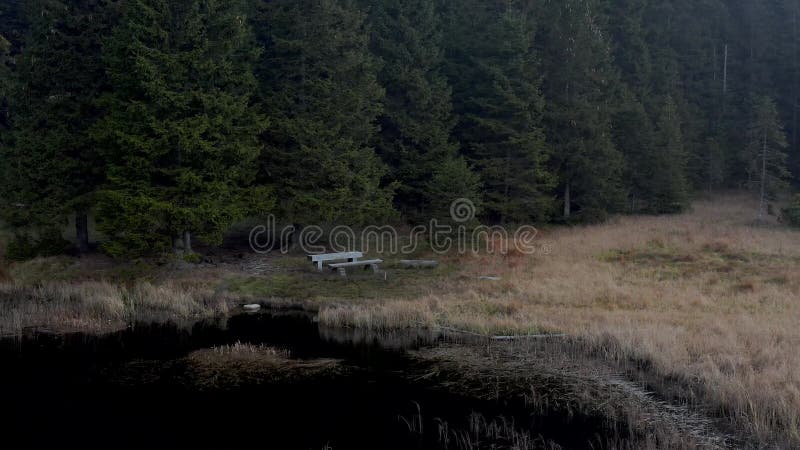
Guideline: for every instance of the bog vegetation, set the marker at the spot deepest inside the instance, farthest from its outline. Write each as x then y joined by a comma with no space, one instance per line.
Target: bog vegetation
702,304
167,121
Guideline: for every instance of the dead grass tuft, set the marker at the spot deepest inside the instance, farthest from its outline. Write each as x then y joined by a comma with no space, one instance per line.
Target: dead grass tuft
100,306
238,364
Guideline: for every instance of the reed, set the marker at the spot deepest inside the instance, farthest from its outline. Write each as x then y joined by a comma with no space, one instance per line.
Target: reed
96,306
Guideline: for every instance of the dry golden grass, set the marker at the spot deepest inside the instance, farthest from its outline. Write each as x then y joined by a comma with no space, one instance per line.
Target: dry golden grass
100,306
241,363
704,298
556,377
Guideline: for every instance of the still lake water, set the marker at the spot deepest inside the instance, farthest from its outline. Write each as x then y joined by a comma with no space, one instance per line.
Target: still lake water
128,390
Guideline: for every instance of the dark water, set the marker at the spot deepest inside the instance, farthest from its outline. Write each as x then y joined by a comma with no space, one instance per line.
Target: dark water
125,390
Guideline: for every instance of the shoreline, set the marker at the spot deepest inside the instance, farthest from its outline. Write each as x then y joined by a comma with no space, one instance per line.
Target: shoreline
700,306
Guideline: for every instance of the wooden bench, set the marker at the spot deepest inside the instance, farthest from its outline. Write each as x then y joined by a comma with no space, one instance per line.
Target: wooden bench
322,258
369,263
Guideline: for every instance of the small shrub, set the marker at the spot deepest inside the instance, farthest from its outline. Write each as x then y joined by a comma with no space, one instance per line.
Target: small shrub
23,248
791,214
4,276
51,243
192,258
590,215
20,249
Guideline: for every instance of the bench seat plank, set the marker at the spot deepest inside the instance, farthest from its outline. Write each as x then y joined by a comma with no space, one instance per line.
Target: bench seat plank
366,262
321,258
333,256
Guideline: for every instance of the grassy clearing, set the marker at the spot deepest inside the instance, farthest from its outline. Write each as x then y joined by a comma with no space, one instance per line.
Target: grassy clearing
703,299
299,281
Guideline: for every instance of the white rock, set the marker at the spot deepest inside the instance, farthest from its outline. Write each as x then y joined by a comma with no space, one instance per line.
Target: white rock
252,307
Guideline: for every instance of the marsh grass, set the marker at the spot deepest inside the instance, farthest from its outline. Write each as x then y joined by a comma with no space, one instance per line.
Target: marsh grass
557,378
239,364
483,433
101,306
703,300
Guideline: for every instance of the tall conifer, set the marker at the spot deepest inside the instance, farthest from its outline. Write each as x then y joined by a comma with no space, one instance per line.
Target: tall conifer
319,86
417,118
52,167
181,133
494,72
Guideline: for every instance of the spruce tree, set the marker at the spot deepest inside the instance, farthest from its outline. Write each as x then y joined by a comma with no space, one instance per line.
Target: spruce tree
417,118
633,135
765,154
494,72
452,181
319,86
52,168
579,84
666,180
181,132
7,80
630,50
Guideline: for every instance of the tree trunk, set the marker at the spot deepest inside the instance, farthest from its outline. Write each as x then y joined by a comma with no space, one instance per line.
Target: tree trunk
796,71
82,231
187,242
763,180
567,201
725,75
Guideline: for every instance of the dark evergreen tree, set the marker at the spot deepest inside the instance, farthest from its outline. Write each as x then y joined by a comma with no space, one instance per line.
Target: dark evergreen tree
181,133
689,53
764,154
666,183
493,69
629,45
451,181
7,80
580,81
633,136
319,86
417,118
51,166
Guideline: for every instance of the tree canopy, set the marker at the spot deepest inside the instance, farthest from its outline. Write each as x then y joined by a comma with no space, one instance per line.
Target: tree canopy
171,120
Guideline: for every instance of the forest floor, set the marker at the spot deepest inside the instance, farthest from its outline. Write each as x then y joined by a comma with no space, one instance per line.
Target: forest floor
702,307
